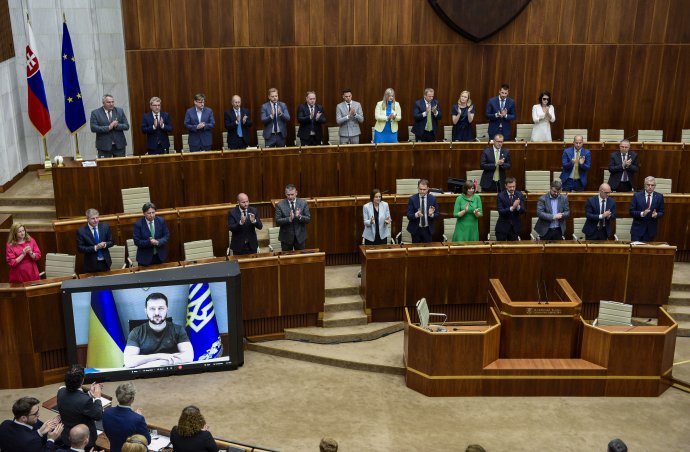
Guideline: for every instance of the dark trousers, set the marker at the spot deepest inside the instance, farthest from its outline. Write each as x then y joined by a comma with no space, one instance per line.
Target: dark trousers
276,140
599,234
112,152
236,143
573,185
510,236
552,234
495,187
101,266
426,137
199,148
422,235
285,246
624,186
311,141
644,237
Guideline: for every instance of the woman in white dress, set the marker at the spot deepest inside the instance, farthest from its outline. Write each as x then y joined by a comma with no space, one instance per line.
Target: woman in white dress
543,115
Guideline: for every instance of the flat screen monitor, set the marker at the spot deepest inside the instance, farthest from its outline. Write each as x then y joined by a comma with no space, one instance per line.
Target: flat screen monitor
155,323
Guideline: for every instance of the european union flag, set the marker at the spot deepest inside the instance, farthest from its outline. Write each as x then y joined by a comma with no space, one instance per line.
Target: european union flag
75,117
106,341
202,325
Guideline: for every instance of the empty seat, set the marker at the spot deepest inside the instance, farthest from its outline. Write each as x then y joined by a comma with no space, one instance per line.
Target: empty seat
569,134
260,141
117,256
663,185
623,229
410,135
132,253
449,228
133,199
493,218
685,136
482,132
185,142
424,314
404,235
447,133
607,175
524,132
171,149
225,141
613,313
273,242
611,135
650,136
475,175
406,186
578,224
199,249
533,234
334,136
59,265
537,181
298,142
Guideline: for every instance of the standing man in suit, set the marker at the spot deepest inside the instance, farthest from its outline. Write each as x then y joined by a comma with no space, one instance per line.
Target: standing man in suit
622,168
552,210
646,208
199,122
156,125
243,221
576,162
422,212
151,236
238,122
93,240
26,433
122,421
510,205
275,116
109,124
349,115
311,118
494,162
500,111
427,114
600,211
78,407
292,215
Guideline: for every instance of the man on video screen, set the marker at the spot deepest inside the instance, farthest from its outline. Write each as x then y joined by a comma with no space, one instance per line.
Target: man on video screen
157,342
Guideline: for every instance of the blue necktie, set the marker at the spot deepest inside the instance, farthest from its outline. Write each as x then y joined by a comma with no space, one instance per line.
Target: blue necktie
99,253
239,123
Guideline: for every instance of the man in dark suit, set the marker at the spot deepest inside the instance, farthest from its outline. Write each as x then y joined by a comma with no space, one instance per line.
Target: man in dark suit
292,215
510,205
500,110
156,125
622,168
311,118
275,116
600,212
109,124
494,162
243,221
26,433
238,122
646,208
79,439
79,407
151,236
199,122
427,114
422,212
122,421
93,240
552,211
576,162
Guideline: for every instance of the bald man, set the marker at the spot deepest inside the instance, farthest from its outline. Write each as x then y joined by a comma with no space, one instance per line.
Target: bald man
238,122
79,437
600,211
243,221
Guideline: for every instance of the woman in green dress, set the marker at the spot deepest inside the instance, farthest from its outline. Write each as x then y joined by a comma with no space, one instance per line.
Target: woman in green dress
468,210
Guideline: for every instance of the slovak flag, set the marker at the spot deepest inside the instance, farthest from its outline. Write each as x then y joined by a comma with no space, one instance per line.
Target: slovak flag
38,104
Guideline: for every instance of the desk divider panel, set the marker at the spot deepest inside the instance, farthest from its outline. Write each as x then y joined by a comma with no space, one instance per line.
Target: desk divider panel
114,174
163,175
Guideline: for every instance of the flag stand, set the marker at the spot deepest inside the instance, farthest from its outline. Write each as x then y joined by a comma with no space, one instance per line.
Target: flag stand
46,164
77,158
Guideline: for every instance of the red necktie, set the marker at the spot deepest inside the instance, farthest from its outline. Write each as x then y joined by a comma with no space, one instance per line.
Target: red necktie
649,201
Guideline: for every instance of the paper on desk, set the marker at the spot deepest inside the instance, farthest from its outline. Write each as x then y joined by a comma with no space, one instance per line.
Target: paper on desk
159,442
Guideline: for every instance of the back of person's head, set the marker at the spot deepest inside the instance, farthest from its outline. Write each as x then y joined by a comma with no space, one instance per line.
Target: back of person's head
328,445
191,421
74,377
79,436
135,443
617,445
125,394
475,448
23,406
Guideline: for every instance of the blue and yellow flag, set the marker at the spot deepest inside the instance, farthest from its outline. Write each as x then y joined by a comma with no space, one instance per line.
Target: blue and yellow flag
202,325
75,117
106,342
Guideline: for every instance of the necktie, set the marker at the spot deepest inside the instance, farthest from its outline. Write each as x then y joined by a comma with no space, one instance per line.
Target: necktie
649,201
156,120
576,172
624,177
510,197
99,253
428,127
311,116
292,205
110,115
497,156
239,123
422,221
603,207
275,119
503,104
152,229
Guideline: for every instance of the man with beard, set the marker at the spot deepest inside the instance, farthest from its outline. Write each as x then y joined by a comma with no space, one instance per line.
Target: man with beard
157,342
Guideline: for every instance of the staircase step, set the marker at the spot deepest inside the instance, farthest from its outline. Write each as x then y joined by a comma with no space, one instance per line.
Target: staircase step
27,201
337,335
679,313
342,280
683,330
679,298
344,303
683,287
344,318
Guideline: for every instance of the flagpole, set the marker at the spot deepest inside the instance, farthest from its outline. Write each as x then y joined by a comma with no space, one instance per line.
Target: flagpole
46,164
76,140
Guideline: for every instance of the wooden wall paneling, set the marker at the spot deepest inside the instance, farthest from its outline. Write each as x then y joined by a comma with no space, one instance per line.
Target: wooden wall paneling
207,222
432,161
658,160
671,16
519,267
683,184
130,17
356,169
179,25
74,187
203,179
427,275
667,80
280,166
604,257
45,308
336,230
393,161
605,111
383,277
518,152
121,173
675,224
17,348
260,287
566,87
167,191
465,157
643,291
319,170
302,283
562,260
242,171
544,156
468,273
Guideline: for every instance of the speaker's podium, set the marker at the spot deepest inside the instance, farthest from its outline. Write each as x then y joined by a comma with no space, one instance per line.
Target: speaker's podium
530,348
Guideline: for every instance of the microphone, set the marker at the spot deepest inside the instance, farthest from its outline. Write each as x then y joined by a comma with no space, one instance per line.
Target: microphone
538,293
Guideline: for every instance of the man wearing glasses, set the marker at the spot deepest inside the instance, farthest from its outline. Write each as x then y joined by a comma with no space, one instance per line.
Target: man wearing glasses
26,433
600,211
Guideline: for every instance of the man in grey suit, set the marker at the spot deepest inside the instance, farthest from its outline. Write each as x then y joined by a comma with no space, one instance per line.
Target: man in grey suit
348,115
275,116
292,215
552,210
109,124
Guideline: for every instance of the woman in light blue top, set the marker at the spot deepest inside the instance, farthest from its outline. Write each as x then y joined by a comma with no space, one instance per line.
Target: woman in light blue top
377,220
387,115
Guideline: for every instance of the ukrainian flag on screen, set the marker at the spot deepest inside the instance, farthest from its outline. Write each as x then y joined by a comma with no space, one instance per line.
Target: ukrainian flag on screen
106,343
202,325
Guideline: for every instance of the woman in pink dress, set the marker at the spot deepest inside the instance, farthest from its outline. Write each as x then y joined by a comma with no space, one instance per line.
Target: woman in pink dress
22,255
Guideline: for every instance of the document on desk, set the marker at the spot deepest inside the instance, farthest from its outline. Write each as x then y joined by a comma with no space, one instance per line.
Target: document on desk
159,442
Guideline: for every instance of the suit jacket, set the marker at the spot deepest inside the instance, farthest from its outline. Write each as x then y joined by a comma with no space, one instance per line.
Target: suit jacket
616,169
159,135
121,422
142,234
199,137
243,233
500,125
231,126
106,137
413,204
648,224
369,228
508,219
420,120
77,407
297,229
349,127
17,438
266,110
381,118
568,156
86,242
545,214
307,124
488,164
592,209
